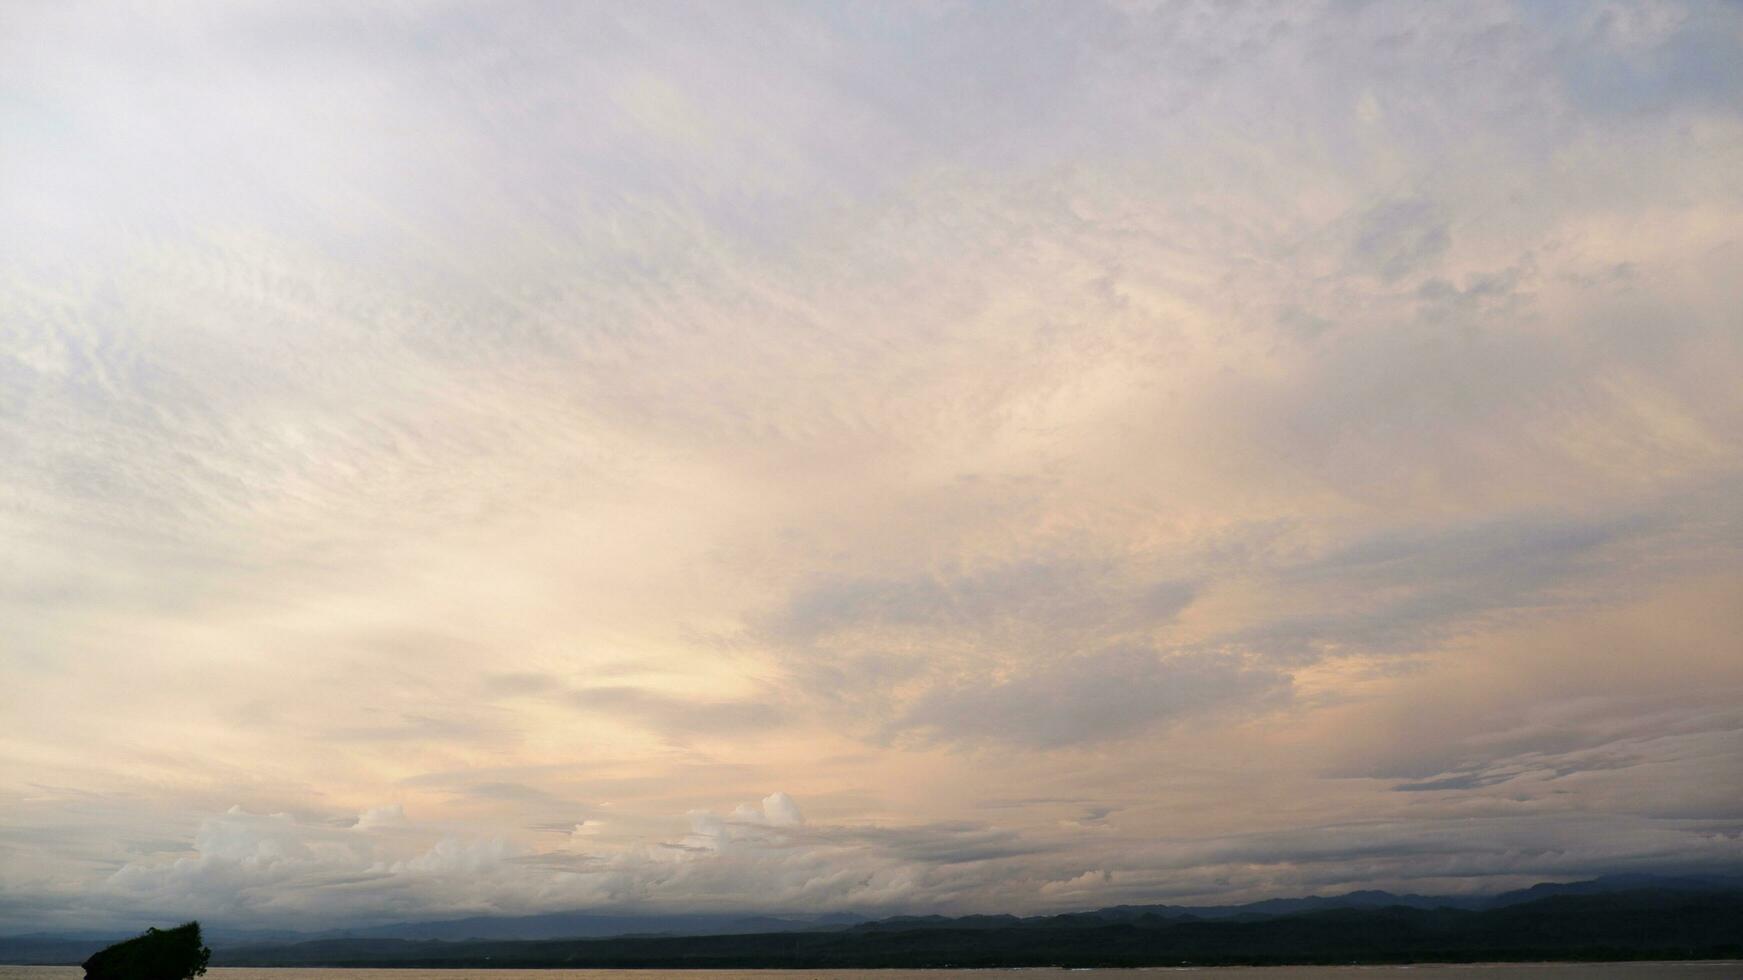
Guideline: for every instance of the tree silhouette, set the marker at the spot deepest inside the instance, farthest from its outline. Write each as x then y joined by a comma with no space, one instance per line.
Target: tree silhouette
159,954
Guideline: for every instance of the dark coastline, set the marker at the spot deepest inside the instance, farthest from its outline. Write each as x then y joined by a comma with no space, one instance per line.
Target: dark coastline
1629,926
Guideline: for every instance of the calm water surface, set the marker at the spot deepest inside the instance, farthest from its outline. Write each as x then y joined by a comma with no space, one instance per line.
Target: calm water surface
1488,971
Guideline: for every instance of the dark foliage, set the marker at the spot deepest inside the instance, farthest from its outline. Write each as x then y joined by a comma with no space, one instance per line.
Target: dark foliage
1633,925
160,954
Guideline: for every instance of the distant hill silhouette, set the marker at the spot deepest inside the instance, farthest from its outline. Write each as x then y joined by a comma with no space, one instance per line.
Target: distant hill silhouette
743,940
1649,923
575,925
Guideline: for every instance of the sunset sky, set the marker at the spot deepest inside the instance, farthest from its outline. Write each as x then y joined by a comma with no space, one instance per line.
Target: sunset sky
492,458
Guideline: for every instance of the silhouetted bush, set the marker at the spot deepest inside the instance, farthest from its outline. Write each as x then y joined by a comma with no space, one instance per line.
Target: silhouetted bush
160,954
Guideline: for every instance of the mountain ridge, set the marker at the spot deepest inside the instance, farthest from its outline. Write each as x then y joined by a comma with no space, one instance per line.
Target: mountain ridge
1645,923
49,947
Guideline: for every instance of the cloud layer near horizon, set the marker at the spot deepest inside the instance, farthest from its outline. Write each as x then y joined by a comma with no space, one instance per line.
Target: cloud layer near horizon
949,457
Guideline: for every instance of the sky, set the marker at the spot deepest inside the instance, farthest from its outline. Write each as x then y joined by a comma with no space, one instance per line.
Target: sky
880,457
